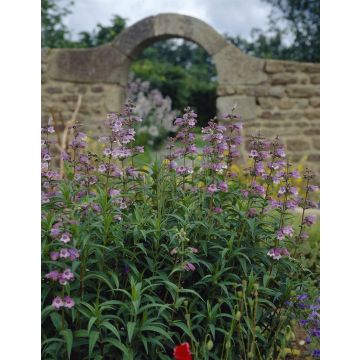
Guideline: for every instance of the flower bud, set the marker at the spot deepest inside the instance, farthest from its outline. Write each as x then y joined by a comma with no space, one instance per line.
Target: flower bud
256,286
238,315
209,345
239,294
186,303
228,344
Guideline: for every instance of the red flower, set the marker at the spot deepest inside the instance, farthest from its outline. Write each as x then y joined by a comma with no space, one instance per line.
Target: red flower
182,352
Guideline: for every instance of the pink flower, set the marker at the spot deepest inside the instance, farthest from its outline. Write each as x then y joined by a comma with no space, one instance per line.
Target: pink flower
57,303
68,275
64,253
194,250
218,210
54,255
114,192
53,275
278,253
309,220
212,188
189,267
285,231
69,302
223,186
65,238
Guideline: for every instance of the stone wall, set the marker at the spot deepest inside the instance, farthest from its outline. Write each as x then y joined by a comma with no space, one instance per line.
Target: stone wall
277,97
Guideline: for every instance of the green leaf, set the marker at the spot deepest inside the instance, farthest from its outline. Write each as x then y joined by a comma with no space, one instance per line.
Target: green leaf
93,338
111,327
130,329
68,337
91,323
56,320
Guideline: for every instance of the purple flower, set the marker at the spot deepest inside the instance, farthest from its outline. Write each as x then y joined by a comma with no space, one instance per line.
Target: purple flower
212,188
65,238
64,253
285,231
303,323
312,188
309,220
189,267
102,168
218,210
57,303
47,157
54,255
280,152
114,192
223,186
55,232
68,302
74,254
107,152
184,170
316,353
259,189
274,204
278,253
253,154
53,275
302,297
68,275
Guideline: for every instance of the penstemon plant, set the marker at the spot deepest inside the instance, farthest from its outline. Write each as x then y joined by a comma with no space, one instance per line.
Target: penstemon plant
137,261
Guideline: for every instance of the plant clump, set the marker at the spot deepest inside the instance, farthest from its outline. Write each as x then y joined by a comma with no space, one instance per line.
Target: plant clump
179,257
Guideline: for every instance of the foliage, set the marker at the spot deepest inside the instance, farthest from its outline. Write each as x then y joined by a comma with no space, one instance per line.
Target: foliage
102,34
137,261
293,33
54,33
155,111
184,72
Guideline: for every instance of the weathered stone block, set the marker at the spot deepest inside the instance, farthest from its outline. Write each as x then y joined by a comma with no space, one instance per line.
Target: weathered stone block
54,90
283,79
285,104
297,145
315,102
97,89
314,157
134,39
265,103
315,79
302,91
175,25
277,91
312,114
101,64
259,90
234,67
312,131
246,106
114,98
274,66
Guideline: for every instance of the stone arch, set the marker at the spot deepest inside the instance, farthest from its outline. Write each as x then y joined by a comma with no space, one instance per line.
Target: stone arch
110,63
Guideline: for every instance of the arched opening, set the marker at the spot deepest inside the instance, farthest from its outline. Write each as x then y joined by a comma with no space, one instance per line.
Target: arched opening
181,70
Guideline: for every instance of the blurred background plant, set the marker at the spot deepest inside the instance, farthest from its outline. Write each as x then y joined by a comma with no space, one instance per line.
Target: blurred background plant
156,113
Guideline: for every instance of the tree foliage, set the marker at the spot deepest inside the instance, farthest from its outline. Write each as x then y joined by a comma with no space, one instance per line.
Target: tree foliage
294,20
